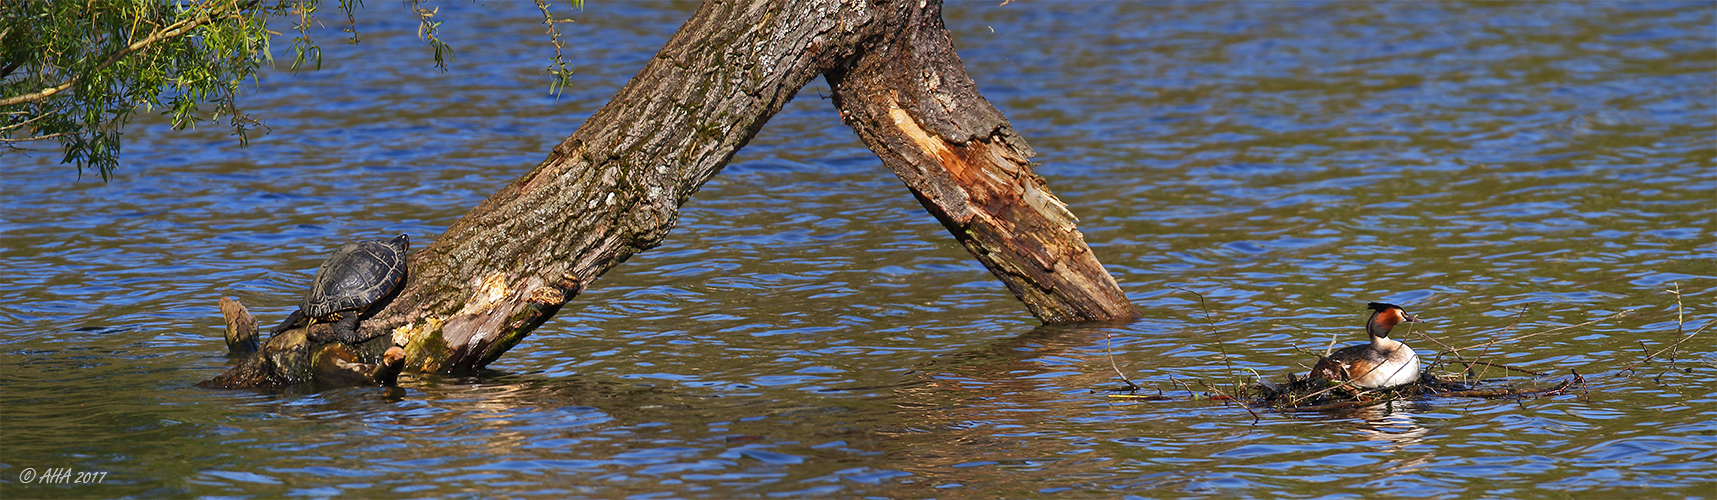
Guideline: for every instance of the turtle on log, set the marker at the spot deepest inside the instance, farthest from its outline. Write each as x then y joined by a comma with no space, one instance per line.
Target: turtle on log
355,282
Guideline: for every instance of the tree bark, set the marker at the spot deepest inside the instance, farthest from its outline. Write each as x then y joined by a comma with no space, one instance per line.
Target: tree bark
615,186
241,328
909,98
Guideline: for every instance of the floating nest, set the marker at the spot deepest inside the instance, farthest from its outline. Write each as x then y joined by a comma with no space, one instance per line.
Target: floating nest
1311,394
1308,394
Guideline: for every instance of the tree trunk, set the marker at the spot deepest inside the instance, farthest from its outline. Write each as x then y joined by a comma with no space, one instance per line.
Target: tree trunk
615,186
909,99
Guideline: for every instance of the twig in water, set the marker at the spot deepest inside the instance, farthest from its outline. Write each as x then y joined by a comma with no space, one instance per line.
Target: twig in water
1344,383
1680,326
1221,346
1225,396
1158,397
1680,320
1446,347
1109,345
1624,312
1504,367
1301,350
1486,350
1468,365
1501,393
1190,394
1677,343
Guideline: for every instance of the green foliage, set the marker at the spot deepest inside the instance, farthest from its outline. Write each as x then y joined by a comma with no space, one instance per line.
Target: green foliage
557,67
75,71
429,30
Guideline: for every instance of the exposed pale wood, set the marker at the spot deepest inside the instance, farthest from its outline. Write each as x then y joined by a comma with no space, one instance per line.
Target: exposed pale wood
911,101
336,364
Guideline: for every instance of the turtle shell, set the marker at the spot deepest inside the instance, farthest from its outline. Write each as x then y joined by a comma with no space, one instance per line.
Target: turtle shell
355,277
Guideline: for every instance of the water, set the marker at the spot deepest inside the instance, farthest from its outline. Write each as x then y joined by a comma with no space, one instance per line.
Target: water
809,330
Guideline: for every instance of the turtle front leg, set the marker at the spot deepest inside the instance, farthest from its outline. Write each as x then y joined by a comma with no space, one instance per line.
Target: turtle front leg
346,331
296,317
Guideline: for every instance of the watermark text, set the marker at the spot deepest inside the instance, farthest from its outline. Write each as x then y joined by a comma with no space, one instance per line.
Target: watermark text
60,475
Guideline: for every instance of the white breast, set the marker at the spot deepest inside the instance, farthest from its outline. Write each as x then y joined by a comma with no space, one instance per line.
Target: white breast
1402,367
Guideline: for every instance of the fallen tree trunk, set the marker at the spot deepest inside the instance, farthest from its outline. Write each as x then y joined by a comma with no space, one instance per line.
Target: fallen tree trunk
615,186
909,98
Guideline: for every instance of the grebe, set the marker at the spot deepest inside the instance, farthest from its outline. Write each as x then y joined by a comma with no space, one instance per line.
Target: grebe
1383,363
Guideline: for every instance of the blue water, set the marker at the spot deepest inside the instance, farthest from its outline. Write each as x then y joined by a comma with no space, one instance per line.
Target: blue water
1501,169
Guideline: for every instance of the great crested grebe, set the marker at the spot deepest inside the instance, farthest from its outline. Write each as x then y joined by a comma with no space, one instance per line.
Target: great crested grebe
1383,363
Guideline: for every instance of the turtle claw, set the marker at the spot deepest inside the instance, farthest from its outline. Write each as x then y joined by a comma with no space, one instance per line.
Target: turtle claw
345,331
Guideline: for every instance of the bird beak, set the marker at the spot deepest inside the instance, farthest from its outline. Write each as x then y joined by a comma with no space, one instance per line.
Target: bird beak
1411,318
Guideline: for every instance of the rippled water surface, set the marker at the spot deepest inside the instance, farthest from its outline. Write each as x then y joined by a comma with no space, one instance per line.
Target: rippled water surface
809,330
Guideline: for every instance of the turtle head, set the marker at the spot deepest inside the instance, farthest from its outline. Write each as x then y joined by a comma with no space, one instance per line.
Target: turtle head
402,242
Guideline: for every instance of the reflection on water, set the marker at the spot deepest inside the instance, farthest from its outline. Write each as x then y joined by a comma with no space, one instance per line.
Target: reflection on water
808,330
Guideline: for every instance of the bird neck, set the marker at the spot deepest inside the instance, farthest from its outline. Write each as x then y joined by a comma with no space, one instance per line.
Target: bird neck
1382,322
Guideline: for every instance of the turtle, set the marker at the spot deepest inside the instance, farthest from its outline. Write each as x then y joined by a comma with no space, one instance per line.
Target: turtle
352,284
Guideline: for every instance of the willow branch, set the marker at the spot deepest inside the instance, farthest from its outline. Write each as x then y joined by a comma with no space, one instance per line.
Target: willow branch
23,123
175,30
33,138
